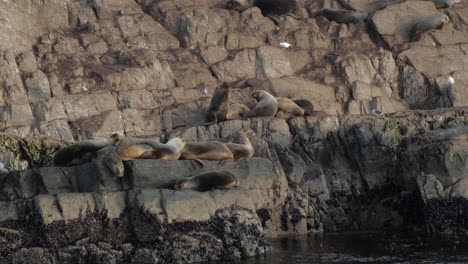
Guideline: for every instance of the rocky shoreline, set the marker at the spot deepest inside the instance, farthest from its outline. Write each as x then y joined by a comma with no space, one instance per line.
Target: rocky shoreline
73,69
401,172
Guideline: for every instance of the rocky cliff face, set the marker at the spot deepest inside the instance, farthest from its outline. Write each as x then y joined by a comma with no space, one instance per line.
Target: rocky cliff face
83,69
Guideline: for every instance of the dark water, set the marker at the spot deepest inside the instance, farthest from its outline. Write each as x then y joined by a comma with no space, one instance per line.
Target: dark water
363,248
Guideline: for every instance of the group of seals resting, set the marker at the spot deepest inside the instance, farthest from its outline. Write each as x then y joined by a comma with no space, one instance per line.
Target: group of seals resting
266,105
116,148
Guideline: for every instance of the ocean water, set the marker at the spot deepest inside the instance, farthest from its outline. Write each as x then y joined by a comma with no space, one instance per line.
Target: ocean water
363,248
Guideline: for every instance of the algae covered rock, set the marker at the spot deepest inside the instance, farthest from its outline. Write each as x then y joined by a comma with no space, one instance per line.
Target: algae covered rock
26,153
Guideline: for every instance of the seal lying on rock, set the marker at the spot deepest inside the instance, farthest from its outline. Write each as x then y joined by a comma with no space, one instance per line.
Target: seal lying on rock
109,156
270,8
289,106
134,148
244,149
427,24
341,15
81,152
169,151
218,108
267,105
306,105
236,111
445,3
208,181
210,150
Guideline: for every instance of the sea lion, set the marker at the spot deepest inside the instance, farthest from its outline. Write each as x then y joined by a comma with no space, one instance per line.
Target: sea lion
427,24
109,156
289,106
171,150
267,105
306,105
445,3
135,148
130,148
236,111
81,152
218,108
244,149
270,8
210,150
341,15
208,181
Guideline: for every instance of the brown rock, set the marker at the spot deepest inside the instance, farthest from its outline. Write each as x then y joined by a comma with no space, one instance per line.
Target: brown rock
27,62
136,99
274,64
24,21
38,86
213,54
81,106
243,66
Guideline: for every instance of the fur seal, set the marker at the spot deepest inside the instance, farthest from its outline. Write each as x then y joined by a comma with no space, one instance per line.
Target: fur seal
236,111
210,150
135,148
109,156
445,3
218,108
427,24
341,15
130,148
270,8
171,150
208,181
244,149
81,152
306,105
267,105
289,106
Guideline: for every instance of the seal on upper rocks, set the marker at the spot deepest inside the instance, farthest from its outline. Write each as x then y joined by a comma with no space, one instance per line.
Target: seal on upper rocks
306,105
244,149
207,181
289,106
109,156
81,152
445,3
267,105
427,24
236,111
270,8
218,108
341,15
210,150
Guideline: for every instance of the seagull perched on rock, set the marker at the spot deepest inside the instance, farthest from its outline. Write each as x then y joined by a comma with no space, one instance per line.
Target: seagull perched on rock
202,89
376,113
2,168
451,80
285,45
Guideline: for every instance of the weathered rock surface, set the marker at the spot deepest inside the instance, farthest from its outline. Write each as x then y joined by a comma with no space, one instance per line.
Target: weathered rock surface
83,69
359,173
139,61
